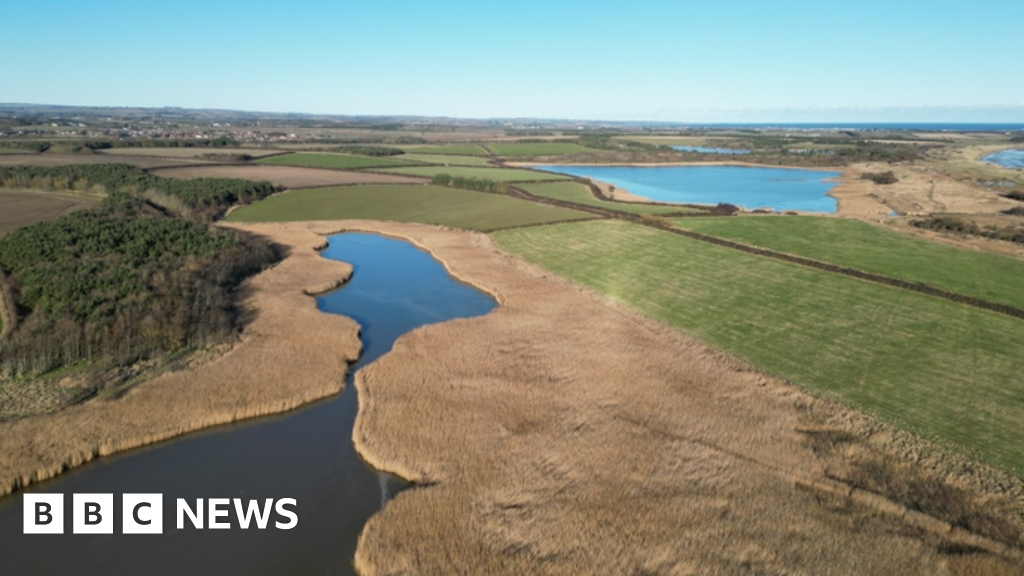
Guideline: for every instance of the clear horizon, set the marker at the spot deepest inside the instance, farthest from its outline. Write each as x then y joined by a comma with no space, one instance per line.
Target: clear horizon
731,62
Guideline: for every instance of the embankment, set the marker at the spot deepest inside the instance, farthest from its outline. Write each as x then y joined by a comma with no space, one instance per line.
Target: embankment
288,355
562,434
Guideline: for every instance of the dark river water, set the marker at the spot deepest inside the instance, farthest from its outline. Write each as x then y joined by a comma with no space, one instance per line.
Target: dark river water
305,454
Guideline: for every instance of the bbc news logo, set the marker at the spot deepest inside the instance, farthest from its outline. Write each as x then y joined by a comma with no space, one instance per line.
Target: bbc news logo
143,513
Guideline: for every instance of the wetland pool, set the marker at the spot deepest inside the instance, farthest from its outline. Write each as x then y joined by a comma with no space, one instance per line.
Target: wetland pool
1011,158
306,454
749,187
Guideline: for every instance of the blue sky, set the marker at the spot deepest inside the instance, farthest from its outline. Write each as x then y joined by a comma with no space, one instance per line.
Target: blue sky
640,60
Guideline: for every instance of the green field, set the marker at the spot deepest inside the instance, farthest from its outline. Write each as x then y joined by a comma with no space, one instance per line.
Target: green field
404,203
453,149
450,160
874,249
333,161
534,148
946,371
495,174
580,194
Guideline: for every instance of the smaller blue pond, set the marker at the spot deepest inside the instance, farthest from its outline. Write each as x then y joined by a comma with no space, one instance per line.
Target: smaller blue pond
705,150
749,187
395,287
1006,158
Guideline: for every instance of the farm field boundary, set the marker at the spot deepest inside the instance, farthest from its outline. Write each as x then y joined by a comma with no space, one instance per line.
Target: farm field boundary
929,365
879,249
918,287
851,272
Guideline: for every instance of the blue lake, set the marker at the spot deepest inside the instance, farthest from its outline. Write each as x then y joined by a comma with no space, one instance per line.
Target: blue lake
706,150
750,187
304,454
1006,158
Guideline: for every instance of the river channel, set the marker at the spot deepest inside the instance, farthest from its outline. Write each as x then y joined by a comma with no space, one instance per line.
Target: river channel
305,454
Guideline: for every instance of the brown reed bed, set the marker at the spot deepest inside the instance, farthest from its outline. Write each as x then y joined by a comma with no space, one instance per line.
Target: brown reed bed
562,434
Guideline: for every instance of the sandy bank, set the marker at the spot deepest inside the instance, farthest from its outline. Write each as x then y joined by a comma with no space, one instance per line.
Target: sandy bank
561,434
619,194
857,197
290,354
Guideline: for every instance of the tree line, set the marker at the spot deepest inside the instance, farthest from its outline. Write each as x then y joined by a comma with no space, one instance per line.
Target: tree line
204,198
129,278
479,184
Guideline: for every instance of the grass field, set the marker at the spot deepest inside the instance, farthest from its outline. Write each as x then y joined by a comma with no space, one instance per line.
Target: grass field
452,149
446,159
403,203
333,161
495,174
874,249
23,207
580,194
534,148
940,369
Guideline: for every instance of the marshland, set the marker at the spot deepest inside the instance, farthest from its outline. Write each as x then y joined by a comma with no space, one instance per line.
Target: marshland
662,388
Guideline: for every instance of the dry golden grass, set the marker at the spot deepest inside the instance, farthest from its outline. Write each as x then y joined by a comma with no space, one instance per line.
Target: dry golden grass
287,176
925,188
290,354
561,434
857,197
